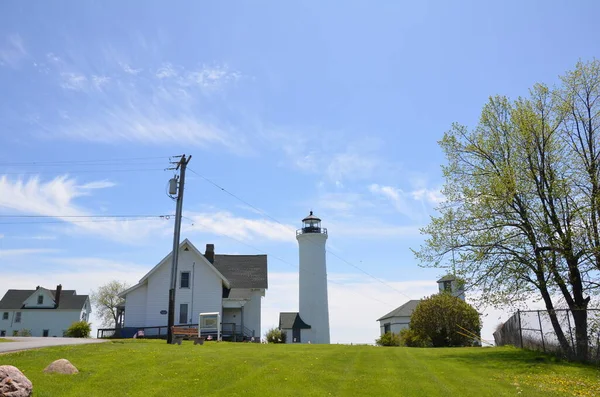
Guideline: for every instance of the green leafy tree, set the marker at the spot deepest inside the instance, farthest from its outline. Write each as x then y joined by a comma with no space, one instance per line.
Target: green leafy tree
106,300
444,320
79,329
523,200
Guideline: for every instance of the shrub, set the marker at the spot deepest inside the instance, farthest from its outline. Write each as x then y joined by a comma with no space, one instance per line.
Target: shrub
24,332
79,329
445,320
409,338
389,339
275,335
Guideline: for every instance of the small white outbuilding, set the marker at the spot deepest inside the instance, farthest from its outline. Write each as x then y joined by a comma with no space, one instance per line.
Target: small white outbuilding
399,318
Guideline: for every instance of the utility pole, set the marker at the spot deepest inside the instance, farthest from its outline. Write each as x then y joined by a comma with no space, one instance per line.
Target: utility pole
175,189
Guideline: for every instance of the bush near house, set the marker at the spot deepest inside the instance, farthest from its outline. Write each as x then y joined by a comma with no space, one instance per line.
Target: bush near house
22,332
389,339
443,320
79,329
275,335
409,338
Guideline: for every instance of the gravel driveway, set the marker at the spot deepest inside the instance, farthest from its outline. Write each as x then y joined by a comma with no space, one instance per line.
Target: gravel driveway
22,343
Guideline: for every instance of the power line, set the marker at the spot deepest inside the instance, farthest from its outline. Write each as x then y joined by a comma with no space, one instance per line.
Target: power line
81,218
81,171
289,228
88,221
115,163
87,161
84,216
237,197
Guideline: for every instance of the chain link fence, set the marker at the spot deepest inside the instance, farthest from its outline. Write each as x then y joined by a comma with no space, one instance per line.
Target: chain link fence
533,329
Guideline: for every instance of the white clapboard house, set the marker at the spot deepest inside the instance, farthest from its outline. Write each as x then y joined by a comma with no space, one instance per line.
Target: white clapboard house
41,312
231,285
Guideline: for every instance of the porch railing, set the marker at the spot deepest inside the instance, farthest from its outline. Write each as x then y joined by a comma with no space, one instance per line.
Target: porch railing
229,331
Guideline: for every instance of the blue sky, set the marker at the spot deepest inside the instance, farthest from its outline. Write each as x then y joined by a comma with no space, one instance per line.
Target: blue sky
334,107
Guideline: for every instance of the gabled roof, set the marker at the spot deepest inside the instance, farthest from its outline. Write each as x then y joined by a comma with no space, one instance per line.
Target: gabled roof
405,310
291,320
236,271
168,259
14,298
243,271
448,277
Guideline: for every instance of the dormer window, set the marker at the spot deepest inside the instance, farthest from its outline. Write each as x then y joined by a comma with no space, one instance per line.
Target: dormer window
40,299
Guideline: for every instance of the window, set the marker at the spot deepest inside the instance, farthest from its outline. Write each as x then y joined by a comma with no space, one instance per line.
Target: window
2,333
46,332
183,313
185,280
448,286
5,316
17,317
386,328
40,299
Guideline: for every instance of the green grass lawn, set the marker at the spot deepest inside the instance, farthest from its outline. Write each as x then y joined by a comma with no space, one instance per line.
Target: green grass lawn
4,340
153,368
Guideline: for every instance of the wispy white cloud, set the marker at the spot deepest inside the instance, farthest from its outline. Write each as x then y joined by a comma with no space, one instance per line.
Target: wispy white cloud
26,251
52,57
100,81
333,155
141,124
129,70
343,203
56,198
73,81
372,228
227,224
36,237
12,51
97,185
85,264
431,196
351,164
211,77
397,197
162,107
404,201
166,71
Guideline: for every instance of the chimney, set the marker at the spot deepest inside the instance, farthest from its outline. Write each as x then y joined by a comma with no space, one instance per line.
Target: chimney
57,294
210,253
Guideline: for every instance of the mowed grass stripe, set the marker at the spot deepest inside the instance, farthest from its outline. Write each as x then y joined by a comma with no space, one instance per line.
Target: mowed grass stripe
446,379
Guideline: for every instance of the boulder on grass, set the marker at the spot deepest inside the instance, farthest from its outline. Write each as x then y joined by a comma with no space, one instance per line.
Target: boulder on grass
62,366
13,383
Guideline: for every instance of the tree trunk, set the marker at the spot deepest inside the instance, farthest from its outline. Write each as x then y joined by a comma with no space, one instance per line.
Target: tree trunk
581,335
543,288
560,335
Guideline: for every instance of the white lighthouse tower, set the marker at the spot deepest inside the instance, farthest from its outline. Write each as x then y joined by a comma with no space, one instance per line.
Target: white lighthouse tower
314,307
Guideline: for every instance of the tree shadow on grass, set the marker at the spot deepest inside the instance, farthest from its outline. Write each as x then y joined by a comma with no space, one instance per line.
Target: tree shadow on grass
503,358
